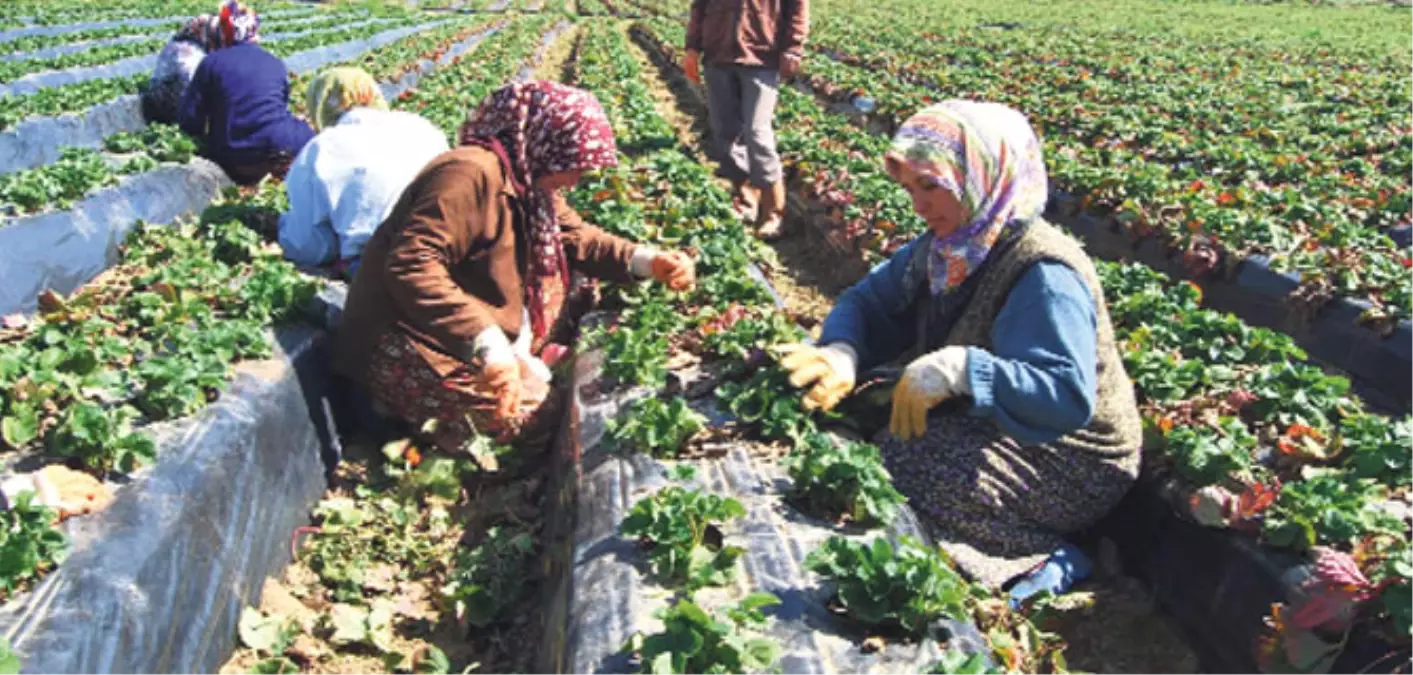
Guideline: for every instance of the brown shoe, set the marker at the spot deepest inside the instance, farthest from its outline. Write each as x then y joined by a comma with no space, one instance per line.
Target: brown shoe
772,212
745,201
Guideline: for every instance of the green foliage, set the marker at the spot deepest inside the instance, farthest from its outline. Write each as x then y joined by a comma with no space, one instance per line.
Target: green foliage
907,587
693,641
768,402
680,530
1328,508
657,427
956,662
842,480
1207,456
29,544
489,580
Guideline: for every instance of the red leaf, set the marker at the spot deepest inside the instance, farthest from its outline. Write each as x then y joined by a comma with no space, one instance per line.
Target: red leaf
1257,498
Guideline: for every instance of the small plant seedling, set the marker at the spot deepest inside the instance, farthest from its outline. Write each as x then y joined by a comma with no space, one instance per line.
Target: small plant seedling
679,527
878,585
29,544
842,480
956,662
693,641
656,427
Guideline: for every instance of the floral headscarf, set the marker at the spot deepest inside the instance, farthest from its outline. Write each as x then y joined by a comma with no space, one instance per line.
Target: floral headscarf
987,155
338,90
543,128
198,29
238,24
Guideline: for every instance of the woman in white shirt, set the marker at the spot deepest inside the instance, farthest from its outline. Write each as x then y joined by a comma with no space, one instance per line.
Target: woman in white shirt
345,182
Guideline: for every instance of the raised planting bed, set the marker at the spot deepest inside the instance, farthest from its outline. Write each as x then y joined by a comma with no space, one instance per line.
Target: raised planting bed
164,380
1244,433
37,127
63,250
636,573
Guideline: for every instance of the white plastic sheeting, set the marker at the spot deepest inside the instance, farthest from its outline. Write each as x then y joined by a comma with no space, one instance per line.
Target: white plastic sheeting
156,582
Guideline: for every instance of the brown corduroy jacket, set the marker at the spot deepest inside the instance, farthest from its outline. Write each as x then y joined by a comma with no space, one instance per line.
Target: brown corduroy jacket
748,32
450,261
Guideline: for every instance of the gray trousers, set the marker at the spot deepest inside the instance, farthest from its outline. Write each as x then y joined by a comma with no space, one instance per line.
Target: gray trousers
741,101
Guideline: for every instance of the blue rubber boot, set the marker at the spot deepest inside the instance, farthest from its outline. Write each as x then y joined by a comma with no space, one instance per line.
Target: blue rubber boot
1065,568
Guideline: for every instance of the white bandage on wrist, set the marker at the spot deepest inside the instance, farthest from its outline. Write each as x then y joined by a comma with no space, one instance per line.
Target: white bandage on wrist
493,347
641,264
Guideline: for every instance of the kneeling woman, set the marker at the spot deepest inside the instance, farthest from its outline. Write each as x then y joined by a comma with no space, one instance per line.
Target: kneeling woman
176,64
237,104
995,305
345,182
465,283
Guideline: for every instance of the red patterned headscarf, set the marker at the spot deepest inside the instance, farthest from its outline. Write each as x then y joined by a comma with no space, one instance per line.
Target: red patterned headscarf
237,24
543,128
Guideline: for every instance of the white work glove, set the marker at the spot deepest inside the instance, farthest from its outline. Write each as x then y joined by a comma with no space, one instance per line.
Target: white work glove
929,380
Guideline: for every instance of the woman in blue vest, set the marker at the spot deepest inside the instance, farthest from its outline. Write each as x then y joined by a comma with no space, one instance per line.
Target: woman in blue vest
1014,423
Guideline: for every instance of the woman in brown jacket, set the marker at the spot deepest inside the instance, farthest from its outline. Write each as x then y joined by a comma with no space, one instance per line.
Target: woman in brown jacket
466,281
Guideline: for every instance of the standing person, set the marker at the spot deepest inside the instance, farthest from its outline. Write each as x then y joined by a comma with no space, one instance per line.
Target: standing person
345,182
237,106
747,46
1014,423
176,64
464,285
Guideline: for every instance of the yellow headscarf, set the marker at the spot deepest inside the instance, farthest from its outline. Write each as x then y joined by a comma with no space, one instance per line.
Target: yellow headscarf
338,90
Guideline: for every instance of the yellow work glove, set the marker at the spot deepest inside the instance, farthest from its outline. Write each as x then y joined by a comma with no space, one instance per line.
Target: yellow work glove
930,379
828,371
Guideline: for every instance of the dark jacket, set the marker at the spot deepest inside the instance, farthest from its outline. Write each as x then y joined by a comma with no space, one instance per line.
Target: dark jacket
748,32
237,105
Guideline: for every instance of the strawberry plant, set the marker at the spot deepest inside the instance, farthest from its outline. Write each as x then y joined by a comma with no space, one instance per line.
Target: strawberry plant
488,580
766,401
842,480
693,641
680,529
656,427
29,545
1206,455
1329,508
906,587
956,662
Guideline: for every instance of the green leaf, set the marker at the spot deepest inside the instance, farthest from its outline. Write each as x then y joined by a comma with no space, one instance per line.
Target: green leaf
349,623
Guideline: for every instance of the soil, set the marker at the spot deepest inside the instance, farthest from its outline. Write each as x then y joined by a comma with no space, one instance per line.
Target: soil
1110,623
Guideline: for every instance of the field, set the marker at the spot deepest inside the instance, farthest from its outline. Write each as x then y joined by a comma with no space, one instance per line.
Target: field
1222,134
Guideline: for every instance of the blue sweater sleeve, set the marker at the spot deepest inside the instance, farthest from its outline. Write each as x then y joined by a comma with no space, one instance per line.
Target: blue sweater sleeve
1041,381
192,115
875,316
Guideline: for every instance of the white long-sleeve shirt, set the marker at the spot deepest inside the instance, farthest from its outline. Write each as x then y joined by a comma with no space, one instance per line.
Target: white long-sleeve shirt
345,182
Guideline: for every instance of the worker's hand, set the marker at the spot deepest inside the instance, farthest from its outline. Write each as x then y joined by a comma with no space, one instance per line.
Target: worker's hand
692,64
790,65
929,380
828,372
676,270
534,381
502,382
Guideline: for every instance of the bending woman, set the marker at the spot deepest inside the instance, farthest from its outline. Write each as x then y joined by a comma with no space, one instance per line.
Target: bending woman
465,283
347,180
237,105
176,64
994,305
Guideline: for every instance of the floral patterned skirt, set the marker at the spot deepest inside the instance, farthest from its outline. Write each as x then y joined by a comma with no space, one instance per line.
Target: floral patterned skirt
997,507
453,411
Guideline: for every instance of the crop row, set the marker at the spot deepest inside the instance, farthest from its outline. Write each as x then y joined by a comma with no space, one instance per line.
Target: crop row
1307,164
1226,404
401,506
659,194
157,336
30,43
77,97
80,171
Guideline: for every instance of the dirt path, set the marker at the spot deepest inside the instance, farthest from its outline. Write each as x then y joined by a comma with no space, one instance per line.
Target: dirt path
1110,623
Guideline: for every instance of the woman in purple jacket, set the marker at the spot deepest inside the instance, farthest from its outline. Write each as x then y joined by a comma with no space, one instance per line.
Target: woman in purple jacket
237,105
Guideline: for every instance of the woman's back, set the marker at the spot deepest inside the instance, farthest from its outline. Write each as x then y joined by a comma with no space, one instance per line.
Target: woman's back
238,104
